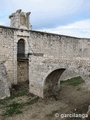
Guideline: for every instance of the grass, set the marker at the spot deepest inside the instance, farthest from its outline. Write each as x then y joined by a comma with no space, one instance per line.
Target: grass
5,101
20,93
73,81
32,101
11,108
14,108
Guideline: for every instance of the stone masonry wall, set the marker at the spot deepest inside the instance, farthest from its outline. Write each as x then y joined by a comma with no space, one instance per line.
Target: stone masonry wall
6,50
59,46
57,52
22,68
47,52
4,82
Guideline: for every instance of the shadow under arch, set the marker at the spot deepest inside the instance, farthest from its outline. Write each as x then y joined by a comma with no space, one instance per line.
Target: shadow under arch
52,81
52,84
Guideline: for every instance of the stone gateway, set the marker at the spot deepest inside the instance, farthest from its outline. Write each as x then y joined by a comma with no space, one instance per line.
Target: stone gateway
40,57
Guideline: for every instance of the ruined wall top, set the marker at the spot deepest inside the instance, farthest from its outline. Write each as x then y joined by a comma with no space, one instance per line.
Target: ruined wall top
20,19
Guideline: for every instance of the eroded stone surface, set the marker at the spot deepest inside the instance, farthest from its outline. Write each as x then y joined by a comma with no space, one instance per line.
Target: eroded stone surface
4,85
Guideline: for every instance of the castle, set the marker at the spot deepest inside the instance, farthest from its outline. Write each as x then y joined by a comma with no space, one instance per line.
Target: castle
39,57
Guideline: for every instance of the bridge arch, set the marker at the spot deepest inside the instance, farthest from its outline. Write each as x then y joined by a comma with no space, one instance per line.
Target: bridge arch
52,80
42,73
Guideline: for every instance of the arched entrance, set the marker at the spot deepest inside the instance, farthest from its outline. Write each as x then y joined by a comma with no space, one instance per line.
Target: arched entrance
21,48
22,62
52,83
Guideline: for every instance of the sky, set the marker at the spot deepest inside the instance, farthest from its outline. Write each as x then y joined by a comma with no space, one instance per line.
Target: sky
64,17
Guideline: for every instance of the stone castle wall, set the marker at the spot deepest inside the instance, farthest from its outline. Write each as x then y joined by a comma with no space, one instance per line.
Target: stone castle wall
23,69
7,51
45,51
4,82
47,59
52,52
59,46
50,45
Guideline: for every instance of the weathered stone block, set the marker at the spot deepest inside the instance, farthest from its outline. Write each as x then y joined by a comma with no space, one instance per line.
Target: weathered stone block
4,82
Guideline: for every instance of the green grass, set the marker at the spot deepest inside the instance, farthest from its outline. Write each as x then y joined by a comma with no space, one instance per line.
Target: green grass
5,101
73,81
32,101
11,108
14,108
22,93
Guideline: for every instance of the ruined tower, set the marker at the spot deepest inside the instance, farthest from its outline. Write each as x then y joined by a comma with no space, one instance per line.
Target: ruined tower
20,20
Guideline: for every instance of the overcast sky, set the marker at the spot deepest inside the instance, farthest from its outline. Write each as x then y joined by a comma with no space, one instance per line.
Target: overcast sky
67,17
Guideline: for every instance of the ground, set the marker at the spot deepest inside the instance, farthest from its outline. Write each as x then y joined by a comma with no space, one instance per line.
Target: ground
74,97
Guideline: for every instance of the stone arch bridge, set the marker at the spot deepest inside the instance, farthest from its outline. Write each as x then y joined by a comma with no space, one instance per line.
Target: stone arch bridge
46,57
40,57
44,73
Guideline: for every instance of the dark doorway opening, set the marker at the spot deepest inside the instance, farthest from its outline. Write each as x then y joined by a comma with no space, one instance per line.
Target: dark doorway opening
21,48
